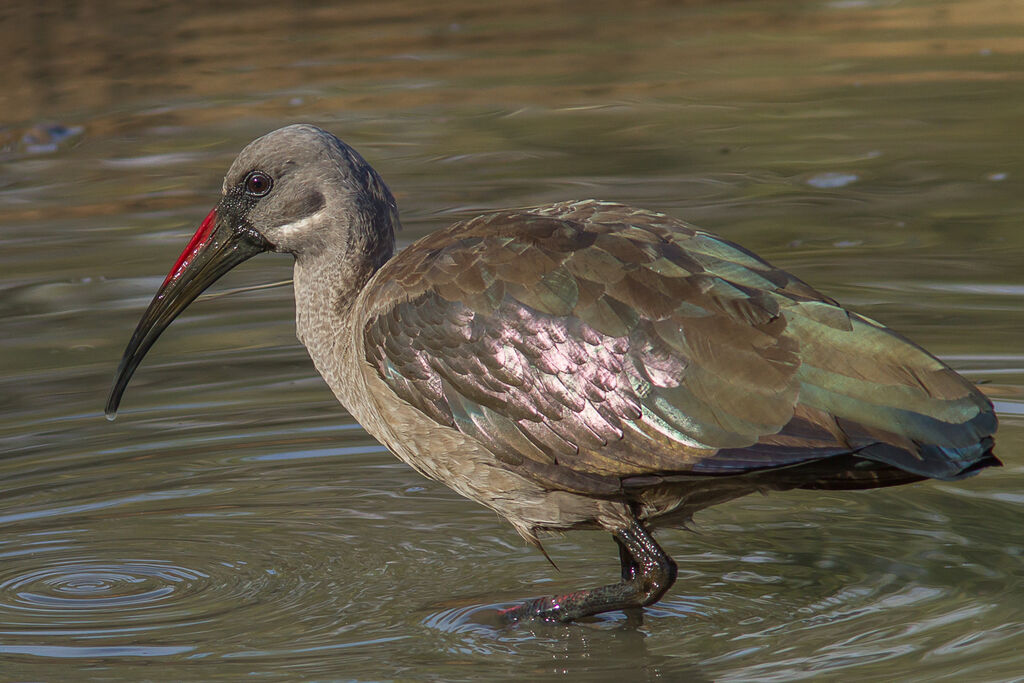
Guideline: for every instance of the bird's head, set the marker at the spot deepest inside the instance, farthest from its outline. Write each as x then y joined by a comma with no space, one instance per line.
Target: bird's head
298,190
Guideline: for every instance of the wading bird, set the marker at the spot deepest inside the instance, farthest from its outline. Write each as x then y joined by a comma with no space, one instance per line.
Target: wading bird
580,365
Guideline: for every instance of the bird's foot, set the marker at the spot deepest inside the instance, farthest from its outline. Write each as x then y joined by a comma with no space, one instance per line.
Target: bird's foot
552,609
647,572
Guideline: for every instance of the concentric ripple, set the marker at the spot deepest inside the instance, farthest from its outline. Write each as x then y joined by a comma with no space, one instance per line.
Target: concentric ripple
87,586
239,548
118,587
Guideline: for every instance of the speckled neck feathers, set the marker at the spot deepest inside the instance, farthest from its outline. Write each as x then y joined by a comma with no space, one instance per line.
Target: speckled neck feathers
337,249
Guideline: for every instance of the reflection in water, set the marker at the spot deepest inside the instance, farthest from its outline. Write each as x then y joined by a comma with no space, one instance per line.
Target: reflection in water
234,522
606,648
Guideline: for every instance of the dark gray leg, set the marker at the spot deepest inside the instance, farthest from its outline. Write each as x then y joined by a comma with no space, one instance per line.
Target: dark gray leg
629,565
647,572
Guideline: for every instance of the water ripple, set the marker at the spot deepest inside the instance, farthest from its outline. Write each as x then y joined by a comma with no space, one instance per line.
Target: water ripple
86,592
168,592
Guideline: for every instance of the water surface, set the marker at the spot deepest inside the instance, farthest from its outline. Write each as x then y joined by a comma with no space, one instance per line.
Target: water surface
234,522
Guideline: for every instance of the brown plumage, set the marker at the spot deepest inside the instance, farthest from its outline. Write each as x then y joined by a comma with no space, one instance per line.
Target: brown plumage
579,365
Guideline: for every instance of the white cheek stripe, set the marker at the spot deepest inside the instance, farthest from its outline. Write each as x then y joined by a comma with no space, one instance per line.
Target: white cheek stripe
299,226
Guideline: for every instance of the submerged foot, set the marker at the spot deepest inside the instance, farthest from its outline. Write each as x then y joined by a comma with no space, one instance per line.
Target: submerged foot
552,609
647,572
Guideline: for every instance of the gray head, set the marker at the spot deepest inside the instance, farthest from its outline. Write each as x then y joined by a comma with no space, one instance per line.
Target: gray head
298,190
305,191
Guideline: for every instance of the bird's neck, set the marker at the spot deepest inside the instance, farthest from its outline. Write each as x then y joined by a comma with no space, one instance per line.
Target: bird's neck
324,292
326,287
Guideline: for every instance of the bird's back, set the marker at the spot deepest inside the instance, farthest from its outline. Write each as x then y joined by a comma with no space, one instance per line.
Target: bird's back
601,349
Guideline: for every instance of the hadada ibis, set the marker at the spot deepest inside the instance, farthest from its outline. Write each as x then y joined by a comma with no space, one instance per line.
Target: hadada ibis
580,365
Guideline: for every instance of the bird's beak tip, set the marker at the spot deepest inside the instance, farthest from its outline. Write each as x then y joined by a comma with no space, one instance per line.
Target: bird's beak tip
215,248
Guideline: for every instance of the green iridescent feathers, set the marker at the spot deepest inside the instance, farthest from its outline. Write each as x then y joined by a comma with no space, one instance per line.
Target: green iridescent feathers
592,344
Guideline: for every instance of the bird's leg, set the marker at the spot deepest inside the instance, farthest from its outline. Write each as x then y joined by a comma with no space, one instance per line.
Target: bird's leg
629,565
634,615
647,572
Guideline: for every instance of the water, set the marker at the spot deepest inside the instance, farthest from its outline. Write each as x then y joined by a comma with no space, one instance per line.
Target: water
234,522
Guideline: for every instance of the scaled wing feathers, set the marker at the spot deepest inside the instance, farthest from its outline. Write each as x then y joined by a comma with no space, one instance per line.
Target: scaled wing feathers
590,343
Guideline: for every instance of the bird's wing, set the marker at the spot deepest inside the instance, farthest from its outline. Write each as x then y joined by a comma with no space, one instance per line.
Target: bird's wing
590,344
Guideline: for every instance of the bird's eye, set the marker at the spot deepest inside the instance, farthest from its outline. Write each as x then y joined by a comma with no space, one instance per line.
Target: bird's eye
258,183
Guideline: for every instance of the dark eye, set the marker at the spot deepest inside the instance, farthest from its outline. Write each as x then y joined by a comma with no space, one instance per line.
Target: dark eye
258,183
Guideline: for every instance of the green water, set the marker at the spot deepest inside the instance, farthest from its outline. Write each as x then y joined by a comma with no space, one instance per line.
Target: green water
234,523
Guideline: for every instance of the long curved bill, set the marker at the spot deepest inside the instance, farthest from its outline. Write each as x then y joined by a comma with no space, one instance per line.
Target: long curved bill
217,247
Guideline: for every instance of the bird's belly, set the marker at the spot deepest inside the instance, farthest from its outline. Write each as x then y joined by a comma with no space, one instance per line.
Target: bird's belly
448,456
460,462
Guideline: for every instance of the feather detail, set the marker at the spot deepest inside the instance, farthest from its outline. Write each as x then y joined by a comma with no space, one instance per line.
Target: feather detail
592,346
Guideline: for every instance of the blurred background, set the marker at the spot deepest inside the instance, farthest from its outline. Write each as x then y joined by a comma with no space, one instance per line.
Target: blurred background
235,522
